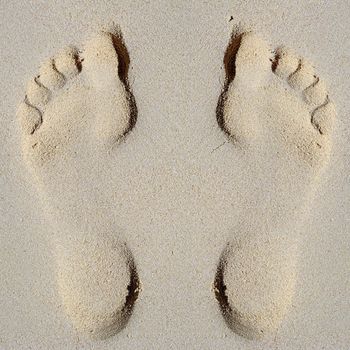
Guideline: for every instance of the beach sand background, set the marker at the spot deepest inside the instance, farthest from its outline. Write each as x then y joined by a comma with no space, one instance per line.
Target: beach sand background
177,190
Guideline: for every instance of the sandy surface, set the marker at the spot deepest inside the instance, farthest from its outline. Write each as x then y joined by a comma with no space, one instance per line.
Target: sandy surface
177,192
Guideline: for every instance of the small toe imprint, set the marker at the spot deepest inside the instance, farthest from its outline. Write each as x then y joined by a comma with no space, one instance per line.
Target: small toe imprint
286,63
303,77
316,94
323,117
67,62
37,94
30,118
50,77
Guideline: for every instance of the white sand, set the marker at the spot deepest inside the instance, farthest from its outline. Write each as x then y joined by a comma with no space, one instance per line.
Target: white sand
178,187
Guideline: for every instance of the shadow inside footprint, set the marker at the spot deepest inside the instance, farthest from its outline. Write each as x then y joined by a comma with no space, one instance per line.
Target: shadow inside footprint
123,70
230,71
220,290
126,312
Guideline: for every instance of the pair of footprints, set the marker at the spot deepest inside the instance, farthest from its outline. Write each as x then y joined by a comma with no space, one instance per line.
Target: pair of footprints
272,103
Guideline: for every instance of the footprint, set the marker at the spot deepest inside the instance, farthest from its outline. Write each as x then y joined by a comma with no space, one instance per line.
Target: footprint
278,115
74,113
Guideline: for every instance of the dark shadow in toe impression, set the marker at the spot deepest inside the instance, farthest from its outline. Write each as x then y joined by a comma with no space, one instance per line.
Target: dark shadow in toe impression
123,70
230,70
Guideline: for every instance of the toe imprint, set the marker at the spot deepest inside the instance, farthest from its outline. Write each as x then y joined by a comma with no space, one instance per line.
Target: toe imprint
316,94
105,65
245,85
314,90
252,61
50,77
30,118
37,94
286,63
68,62
323,117
303,77
53,75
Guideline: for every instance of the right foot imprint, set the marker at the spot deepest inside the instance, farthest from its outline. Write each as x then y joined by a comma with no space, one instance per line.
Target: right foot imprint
277,113
82,97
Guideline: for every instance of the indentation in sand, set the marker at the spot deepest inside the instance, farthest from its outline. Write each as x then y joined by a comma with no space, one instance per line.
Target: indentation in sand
277,112
75,111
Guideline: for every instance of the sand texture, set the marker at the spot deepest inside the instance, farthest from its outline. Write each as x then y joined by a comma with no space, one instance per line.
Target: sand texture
175,175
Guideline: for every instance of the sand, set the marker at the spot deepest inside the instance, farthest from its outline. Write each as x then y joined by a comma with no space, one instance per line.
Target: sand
175,189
